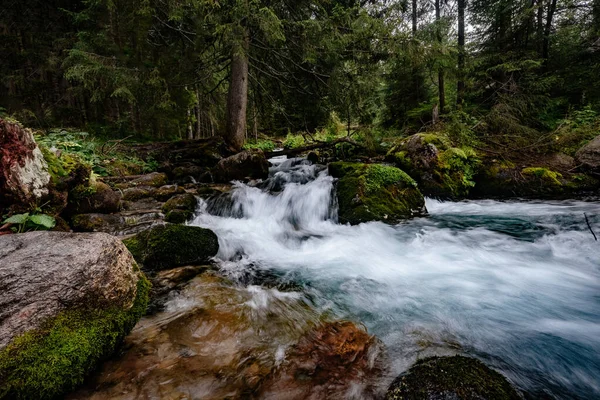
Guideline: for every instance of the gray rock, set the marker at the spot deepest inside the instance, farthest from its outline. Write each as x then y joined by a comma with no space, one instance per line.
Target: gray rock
155,179
589,155
44,273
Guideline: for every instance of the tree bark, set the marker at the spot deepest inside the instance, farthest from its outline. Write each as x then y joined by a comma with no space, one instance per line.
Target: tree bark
596,20
237,100
441,84
460,89
414,17
547,29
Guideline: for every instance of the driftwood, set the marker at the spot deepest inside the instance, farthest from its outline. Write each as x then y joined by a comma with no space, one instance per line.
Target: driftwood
589,226
317,145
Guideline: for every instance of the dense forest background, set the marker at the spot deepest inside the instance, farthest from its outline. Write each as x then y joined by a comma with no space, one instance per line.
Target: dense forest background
508,73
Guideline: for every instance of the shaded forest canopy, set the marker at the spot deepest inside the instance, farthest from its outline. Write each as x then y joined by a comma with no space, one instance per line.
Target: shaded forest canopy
166,69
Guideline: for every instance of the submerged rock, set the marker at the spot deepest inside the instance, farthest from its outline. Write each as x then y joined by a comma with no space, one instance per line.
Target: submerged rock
248,164
451,378
67,300
375,192
440,169
24,176
180,208
170,246
216,340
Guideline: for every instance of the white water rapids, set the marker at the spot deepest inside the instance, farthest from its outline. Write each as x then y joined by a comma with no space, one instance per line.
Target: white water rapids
516,284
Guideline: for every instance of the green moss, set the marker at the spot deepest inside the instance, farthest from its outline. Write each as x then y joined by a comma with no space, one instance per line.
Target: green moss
371,192
544,174
379,176
439,140
457,168
451,377
185,202
171,246
178,216
48,362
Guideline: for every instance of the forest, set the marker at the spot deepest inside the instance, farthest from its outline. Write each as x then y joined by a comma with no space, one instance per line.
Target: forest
299,199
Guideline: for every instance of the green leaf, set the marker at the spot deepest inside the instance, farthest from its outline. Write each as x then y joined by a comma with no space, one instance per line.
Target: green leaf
17,219
44,220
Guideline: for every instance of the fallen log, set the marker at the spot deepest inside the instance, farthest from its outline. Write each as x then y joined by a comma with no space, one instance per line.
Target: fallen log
317,145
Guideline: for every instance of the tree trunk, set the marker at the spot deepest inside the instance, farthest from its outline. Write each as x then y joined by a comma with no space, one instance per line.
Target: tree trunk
547,29
414,17
460,89
596,20
540,24
237,100
441,85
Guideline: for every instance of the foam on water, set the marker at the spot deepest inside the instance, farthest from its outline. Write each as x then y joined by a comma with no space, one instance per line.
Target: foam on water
514,283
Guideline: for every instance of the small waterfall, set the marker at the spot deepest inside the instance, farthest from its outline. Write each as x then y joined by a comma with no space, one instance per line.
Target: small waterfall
514,283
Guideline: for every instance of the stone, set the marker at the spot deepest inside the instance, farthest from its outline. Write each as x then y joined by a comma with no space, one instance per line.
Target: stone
67,300
180,208
248,164
102,199
164,193
451,378
170,246
154,179
375,192
24,176
588,157
137,193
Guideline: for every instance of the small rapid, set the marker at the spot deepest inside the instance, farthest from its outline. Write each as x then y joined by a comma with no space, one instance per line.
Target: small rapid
516,284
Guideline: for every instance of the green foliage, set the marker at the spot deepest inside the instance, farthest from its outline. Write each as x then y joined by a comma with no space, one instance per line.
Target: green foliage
576,130
53,360
293,141
31,222
261,144
544,174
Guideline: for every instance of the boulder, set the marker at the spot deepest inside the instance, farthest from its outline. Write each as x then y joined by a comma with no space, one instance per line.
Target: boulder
100,199
441,170
154,179
180,208
24,176
164,193
170,246
67,300
451,378
375,192
140,192
588,157
248,164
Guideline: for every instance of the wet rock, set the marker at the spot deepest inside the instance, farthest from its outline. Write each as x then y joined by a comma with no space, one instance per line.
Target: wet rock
101,199
164,193
164,282
180,208
375,192
191,173
94,222
332,361
313,157
451,378
588,157
66,302
216,340
24,176
441,170
249,164
137,193
154,179
170,246
123,223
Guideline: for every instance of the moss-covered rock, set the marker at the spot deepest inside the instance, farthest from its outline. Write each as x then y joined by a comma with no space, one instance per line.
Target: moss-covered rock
180,208
375,192
98,197
451,378
80,293
137,193
55,359
440,169
171,246
164,193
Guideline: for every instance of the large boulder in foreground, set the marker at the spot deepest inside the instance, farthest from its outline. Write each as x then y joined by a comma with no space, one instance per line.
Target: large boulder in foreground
248,164
588,157
451,378
375,192
24,176
67,300
170,246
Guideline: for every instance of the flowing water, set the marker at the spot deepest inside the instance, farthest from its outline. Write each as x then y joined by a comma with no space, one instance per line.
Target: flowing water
516,284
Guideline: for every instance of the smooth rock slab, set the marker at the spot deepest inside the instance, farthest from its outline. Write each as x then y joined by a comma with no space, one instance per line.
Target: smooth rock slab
44,273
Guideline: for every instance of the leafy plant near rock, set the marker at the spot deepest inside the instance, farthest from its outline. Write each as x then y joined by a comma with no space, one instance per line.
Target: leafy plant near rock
30,222
48,362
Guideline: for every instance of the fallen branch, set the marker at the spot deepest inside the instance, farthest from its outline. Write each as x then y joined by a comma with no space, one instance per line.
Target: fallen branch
587,221
318,145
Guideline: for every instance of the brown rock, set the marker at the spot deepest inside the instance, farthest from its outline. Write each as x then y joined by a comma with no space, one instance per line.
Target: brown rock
245,165
589,155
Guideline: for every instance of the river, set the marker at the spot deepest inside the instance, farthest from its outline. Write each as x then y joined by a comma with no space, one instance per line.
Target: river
513,283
